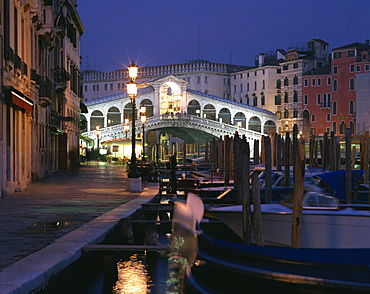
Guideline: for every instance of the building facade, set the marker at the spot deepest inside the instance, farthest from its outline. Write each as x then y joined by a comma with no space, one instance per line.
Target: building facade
331,96
40,102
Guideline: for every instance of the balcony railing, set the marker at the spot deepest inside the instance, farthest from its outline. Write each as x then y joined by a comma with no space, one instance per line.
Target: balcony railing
24,69
9,54
61,75
46,87
17,62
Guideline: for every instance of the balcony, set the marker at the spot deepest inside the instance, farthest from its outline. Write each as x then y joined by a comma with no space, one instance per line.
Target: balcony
24,69
9,54
325,105
17,62
46,88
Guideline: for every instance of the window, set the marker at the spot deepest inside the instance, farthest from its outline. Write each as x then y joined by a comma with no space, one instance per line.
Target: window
319,81
285,67
247,87
328,130
278,70
352,68
313,117
105,87
305,83
97,87
351,84
277,100
350,53
85,88
241,88
328,116
335,86
335,69
94,88
367,67
337,55
278,84
295,113
318,99
255,73
358,68
286,113
234,88
334,109
286,98
241,76
351,107
255,85
119,86
263,100
295,80
328,81
286,82
334,127
206,79
254,100
295,96
111,86
313,82
263,84
342,127
247,74
263,71
305,99
198,79
295,65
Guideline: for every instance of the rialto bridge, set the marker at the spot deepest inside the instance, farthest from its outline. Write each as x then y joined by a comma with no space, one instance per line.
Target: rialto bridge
173,113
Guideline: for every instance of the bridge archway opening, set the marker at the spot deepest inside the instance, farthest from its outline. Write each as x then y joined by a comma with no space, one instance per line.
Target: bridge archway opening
209,112
240,120
96,119
170,98
149,108
113,116
224,116
269,127
193,108
254,124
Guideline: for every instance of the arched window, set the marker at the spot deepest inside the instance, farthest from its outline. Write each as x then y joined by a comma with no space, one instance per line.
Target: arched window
286,98
334,127
335,85
334,109
254,100
286,82
278,100
351,84
342,127
263,84
351,107
295,80
255,86
278,84
295,96
295,113
286,113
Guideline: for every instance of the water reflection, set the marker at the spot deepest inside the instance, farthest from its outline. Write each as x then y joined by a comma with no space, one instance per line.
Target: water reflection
133,276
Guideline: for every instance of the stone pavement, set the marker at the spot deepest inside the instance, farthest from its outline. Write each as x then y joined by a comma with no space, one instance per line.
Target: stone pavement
44,227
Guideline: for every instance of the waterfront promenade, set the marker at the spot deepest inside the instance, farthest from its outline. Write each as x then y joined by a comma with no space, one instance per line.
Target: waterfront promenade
44,227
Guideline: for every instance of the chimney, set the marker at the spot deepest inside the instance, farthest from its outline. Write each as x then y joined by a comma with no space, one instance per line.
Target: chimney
260,59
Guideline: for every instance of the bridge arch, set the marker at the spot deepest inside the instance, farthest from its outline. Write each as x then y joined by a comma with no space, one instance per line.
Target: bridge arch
209,112
96,119
224,116
113,116
240,120
169,98
193,107
269,127
254,124
149,107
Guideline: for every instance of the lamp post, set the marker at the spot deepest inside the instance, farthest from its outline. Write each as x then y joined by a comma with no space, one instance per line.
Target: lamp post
132,92
143,120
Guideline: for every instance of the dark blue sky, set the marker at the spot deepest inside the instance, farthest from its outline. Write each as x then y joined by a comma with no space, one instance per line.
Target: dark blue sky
163,32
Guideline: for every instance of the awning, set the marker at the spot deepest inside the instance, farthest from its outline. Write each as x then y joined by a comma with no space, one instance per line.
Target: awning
21,100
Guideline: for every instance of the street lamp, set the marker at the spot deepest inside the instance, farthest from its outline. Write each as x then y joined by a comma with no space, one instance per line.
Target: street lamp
143,120
132,92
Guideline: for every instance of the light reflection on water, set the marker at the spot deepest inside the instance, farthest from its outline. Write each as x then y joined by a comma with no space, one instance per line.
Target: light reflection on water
133,277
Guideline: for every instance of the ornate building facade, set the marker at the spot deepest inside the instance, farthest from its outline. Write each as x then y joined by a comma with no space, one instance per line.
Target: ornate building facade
40,101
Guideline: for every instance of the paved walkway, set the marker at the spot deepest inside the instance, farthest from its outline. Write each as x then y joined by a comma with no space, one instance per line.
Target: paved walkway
44,227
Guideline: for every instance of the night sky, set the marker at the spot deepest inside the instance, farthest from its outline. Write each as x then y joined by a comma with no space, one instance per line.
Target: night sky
164,32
